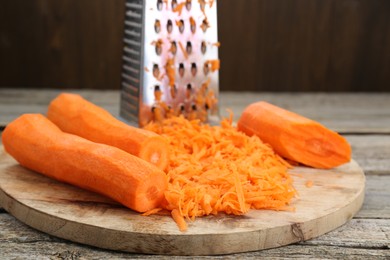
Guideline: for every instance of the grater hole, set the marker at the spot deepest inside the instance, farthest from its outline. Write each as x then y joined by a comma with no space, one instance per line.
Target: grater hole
182,109
188,5
169,26
202,4
193,113
157,93
205,24
188,91
206,68
203,47
194,69
158,48
174,4
173,48
192,25
180,24
156,71
181,69
173,91
157,26
159,5
189,47
157,113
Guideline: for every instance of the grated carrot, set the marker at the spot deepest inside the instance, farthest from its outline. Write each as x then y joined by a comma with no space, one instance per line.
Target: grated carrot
185,53
170,71
216,169
215,64
179,8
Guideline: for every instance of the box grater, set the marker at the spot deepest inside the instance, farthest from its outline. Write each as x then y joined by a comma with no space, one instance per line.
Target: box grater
170,60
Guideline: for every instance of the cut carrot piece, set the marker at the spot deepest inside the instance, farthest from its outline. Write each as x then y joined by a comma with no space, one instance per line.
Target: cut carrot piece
75,115
295,137
38,144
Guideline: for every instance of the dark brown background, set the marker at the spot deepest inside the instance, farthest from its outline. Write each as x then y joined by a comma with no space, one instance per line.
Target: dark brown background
267,45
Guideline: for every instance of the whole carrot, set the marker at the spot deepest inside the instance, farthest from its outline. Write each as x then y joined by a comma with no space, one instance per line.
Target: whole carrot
295,137
38,144
75,115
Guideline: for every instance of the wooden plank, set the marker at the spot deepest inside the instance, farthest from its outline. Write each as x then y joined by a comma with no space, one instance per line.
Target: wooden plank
377,198
304,45
363,237
300,45
77,215
17,240
372,152
55,44
342,112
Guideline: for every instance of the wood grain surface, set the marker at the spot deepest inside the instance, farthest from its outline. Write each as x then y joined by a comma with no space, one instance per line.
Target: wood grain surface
77,215
364,120
266,45
338,111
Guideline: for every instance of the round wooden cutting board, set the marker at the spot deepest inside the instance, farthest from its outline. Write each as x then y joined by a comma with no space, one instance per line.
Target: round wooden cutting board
77,215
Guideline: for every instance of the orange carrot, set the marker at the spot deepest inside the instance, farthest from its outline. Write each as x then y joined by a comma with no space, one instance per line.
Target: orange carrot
38,144
295,137
75,115
217,169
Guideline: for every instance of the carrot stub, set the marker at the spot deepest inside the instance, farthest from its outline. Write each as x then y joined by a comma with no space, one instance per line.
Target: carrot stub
75,115
38,144
295,137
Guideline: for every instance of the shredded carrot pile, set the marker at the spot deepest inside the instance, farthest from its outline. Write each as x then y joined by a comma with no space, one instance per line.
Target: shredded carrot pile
216,169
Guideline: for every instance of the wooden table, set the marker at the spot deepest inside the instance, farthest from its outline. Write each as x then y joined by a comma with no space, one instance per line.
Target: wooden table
363,118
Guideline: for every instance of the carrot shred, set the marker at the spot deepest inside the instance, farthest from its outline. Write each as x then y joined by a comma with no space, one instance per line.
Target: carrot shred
214,64
185,53
179,8
181,223
217,169
309,184
170,71
151,212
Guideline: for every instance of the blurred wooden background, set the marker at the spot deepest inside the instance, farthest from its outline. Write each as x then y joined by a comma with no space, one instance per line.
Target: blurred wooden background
267,45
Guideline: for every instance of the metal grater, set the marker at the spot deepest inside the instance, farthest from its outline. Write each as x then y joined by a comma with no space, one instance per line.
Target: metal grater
170,60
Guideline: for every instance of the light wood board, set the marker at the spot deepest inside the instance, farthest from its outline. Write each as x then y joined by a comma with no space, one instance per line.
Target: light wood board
80,216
